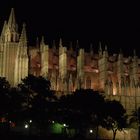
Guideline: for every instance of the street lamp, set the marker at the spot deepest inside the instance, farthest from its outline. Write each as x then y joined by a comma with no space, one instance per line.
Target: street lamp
26,126
64,125
90,131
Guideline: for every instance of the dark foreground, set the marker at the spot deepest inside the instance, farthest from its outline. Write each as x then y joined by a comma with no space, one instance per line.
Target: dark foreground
52,137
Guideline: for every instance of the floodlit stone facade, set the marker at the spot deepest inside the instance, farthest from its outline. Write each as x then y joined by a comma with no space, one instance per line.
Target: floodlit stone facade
13,51
68,68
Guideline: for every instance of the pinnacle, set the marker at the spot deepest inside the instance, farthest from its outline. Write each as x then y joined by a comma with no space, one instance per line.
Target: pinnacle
12,21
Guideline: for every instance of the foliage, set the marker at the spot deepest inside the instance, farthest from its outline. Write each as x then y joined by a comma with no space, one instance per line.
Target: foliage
115,117
4,96
37,99
15,107
81,110
33,99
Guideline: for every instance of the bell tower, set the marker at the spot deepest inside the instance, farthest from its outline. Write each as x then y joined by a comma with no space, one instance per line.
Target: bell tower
13,56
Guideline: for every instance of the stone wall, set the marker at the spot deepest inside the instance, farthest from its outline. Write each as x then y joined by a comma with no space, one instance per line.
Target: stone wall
128,134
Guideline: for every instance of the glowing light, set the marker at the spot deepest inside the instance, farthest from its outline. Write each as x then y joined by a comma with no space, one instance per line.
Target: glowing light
26,126
97,71
30,121
52,121
90,131
64,125
114,91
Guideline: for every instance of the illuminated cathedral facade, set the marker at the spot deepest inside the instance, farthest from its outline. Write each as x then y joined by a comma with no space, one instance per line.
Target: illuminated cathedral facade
69,68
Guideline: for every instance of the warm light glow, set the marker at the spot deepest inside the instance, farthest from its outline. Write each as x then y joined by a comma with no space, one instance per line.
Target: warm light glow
26,126
90,131
30,121
114,91
97,71
64,125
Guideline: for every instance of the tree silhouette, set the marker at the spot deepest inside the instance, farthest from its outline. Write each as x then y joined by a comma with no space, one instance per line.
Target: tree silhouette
4,97
4,106
115,117
38,99
15,107
81,110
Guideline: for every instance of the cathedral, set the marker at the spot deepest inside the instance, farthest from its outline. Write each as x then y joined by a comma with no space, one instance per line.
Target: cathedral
69,68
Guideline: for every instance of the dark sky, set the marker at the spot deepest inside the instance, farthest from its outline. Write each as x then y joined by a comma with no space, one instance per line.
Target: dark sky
113,23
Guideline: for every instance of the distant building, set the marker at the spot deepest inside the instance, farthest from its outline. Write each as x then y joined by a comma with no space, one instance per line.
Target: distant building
69,68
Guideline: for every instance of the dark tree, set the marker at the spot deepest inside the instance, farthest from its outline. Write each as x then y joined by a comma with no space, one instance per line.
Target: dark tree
4,97
115,117
16,105
38,99
4,106
81,110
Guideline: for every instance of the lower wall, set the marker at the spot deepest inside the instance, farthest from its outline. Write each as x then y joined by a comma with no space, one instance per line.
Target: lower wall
129,134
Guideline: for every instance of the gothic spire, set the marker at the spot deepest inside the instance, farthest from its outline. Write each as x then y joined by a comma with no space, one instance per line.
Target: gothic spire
12,21
60,42
42,41
23,37
4,27
100,50
105,47
12,28
105,53
120,54
2,37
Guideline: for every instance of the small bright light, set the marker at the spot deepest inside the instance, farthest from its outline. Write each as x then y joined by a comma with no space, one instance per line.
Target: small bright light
113,124
90,131
52,121
64,125
26,126
30,121
9,121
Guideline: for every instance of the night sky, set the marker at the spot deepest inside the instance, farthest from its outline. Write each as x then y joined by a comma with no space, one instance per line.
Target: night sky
115,24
